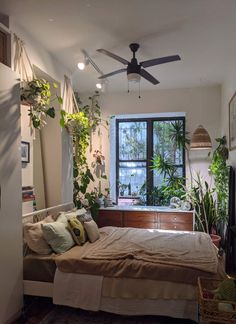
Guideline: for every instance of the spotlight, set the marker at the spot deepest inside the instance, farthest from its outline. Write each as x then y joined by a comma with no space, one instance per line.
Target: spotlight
81,66
99,85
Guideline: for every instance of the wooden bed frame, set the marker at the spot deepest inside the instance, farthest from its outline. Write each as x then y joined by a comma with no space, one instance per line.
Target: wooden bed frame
39,288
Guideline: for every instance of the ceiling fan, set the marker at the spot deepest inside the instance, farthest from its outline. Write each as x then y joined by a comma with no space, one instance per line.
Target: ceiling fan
134,69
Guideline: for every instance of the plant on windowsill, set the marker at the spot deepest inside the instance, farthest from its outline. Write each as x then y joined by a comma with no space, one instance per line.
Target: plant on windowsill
37,95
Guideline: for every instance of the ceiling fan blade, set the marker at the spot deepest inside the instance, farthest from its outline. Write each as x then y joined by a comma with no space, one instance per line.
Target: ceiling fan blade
112,73
160,60
114,56
148,77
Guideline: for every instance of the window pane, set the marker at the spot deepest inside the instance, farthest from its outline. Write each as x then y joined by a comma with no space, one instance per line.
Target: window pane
132,176
158,179
165,136
132,140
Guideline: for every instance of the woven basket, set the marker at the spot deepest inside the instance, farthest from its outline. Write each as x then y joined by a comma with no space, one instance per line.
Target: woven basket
208,308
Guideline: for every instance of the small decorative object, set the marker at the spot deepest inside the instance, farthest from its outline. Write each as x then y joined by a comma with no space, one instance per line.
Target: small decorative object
186,205
99,158
201,139
175,202
232,122
25,152
108,202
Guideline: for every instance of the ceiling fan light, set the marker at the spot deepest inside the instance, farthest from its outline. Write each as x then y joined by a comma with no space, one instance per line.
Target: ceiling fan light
133,77
81,66
201,139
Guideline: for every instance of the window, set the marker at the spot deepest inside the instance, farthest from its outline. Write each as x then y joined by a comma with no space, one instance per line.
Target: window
139,144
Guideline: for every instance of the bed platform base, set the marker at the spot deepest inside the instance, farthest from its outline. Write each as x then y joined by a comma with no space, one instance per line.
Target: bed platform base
38,288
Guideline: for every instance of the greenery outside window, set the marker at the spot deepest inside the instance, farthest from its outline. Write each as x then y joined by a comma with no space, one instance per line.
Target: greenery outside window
138,143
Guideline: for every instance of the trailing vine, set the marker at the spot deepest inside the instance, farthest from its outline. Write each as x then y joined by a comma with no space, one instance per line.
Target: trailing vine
81,125
37,94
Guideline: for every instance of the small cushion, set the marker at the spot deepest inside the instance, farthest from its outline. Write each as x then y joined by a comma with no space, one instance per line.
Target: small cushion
92,231
34,238
77,230
82,214
57,235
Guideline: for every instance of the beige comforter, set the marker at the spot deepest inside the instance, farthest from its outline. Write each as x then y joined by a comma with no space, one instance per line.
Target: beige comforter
143,253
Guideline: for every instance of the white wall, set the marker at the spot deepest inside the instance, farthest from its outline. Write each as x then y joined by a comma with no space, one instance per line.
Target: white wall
55,69
201,104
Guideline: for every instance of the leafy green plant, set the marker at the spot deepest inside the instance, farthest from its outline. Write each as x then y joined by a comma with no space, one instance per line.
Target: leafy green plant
202,197
80,125
37,94
220,172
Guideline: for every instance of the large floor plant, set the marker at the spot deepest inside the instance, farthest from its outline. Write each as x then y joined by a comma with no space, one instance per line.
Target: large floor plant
220,173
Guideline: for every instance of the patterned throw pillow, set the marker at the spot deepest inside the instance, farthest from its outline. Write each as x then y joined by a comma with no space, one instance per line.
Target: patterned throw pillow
77,230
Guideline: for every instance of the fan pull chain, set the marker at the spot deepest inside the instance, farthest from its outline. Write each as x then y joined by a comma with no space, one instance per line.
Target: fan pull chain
128,86
139,90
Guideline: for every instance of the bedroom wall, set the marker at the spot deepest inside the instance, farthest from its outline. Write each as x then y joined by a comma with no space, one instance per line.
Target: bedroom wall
202,105
55,69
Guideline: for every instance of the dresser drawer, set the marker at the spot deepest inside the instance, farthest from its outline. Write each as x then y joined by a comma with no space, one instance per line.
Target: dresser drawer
137,224
186,218
140,216
176,226
109,218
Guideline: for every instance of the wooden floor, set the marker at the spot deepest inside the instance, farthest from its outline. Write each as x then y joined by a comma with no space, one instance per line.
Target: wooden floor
35,309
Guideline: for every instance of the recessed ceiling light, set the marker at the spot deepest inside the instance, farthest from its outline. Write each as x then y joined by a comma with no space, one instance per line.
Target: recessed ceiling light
81,65
50,19
99,85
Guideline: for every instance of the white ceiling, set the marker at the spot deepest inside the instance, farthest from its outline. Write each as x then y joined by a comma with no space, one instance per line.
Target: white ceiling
202,32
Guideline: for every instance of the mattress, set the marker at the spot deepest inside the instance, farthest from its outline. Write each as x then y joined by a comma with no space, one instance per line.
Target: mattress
39,267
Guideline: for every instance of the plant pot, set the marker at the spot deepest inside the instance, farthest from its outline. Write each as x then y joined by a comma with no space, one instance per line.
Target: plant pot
215,240
108,202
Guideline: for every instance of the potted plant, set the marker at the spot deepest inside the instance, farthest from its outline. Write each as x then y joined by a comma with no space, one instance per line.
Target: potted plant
202,198
37,94
220,172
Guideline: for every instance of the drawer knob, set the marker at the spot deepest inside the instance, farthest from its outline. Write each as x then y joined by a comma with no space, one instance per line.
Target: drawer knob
175,218
175,227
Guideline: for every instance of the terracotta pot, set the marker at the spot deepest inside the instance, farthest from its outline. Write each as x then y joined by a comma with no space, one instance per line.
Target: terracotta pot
215,239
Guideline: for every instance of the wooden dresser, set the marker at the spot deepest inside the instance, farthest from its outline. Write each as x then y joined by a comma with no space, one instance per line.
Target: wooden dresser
159,218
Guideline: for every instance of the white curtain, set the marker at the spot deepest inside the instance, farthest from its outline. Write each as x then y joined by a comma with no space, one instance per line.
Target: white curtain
69,102
22,64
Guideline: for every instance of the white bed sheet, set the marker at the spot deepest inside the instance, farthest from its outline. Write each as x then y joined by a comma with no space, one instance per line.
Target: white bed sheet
86,292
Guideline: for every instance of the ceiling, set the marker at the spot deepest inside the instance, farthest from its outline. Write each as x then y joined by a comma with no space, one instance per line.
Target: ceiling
202,32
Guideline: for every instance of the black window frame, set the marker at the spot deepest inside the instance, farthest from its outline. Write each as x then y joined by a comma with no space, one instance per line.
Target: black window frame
149,148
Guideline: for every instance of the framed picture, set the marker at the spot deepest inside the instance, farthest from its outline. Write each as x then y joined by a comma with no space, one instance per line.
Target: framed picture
232,123
25,152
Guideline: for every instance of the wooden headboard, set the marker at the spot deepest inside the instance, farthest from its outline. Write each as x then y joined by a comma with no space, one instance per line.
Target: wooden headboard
41,214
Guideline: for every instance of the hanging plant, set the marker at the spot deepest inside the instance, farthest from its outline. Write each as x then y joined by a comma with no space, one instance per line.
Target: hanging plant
37,94
80,125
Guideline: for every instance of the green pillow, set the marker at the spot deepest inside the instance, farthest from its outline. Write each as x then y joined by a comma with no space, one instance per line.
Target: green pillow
58,236
77,230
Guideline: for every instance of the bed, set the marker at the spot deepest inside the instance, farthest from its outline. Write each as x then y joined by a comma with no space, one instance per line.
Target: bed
128,271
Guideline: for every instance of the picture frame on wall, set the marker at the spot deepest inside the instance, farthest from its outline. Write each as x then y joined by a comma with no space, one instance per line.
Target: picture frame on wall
25,152
232,122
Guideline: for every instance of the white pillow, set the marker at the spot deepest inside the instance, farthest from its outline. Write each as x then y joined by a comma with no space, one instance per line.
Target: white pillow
92,231
33,236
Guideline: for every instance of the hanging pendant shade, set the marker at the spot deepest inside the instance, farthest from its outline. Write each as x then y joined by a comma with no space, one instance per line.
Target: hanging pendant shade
200,139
